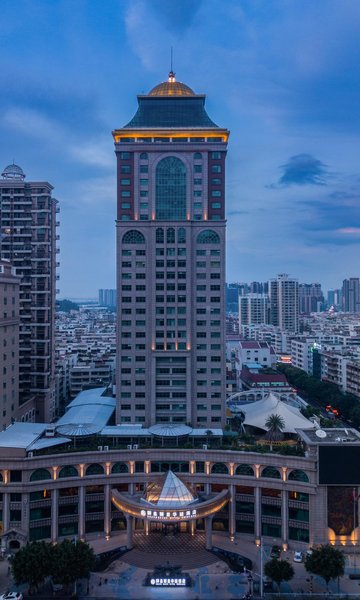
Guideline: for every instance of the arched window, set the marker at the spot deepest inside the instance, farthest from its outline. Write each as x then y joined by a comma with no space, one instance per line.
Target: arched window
244,470
298,475
95,469
159,235
170,190
133,237
40,474
170,235
181,236
271,472
68,471
208,237
197,155
219,468
120,467
143,156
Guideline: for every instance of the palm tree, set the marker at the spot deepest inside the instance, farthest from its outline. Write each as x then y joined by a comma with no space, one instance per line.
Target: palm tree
274,425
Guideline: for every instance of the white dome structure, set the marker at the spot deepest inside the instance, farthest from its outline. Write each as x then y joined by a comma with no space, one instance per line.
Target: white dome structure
258,412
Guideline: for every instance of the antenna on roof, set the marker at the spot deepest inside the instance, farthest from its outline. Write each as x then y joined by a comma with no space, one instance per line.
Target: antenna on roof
171,74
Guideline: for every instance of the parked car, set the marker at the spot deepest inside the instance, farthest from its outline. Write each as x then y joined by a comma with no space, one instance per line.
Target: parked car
12,596
275,552
298,557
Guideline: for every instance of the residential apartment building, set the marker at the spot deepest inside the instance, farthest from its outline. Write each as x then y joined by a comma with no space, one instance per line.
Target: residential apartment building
28,229
107,298
311,298
351,295
171,261
253,309
9,344
284,302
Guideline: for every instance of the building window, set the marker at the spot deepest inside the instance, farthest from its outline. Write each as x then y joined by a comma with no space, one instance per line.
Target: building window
133,237
170,189
208,237
170,235
181,236
159,235
143,156
197,156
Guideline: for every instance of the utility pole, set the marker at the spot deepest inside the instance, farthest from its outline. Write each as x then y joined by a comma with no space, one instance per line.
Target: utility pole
261,569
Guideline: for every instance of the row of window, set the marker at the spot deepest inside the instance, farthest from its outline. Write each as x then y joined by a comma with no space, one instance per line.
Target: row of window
219,468
145,182
144,156
204,237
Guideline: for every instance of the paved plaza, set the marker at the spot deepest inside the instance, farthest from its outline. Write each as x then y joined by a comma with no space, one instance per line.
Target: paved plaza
212,581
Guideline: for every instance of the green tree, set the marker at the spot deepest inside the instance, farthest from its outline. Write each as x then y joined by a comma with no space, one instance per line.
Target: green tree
71,562
275,425
279,570
32,564
326,561
66,305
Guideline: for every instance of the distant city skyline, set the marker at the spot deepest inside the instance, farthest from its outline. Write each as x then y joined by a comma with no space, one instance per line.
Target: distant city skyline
282,76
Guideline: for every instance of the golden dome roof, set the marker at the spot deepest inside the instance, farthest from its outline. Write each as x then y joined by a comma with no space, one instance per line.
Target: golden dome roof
171,87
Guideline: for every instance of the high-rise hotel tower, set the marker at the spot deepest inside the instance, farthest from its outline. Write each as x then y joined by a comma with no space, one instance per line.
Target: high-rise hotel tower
171,261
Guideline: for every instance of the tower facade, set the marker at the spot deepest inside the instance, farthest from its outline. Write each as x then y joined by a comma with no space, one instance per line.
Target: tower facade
253,309
171,261
9,343
284,302
351,295
28,241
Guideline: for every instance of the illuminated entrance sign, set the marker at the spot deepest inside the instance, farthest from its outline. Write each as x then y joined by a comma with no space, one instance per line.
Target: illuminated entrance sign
168,582
168,514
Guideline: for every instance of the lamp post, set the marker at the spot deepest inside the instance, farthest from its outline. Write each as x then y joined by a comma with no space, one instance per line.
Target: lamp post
261,569
355,504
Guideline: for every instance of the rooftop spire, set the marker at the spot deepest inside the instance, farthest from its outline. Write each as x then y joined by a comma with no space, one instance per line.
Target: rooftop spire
171,73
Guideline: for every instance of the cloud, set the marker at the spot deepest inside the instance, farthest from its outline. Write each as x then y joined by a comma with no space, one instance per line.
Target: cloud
349,230
235,212
302,169
37,125
177,14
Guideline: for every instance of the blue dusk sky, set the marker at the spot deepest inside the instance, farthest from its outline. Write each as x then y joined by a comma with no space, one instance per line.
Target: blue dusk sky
282,75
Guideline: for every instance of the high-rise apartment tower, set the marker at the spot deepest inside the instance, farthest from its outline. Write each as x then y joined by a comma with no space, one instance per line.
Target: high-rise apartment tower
171,261
351,295
284,302
28,234
9,343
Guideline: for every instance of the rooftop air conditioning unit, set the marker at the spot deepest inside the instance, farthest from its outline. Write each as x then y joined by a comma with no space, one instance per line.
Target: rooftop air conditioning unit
106,448
50,432
129,447
30,454
100,448
205,446
135,446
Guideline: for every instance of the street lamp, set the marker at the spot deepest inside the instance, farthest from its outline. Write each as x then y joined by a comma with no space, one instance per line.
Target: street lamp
259,543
